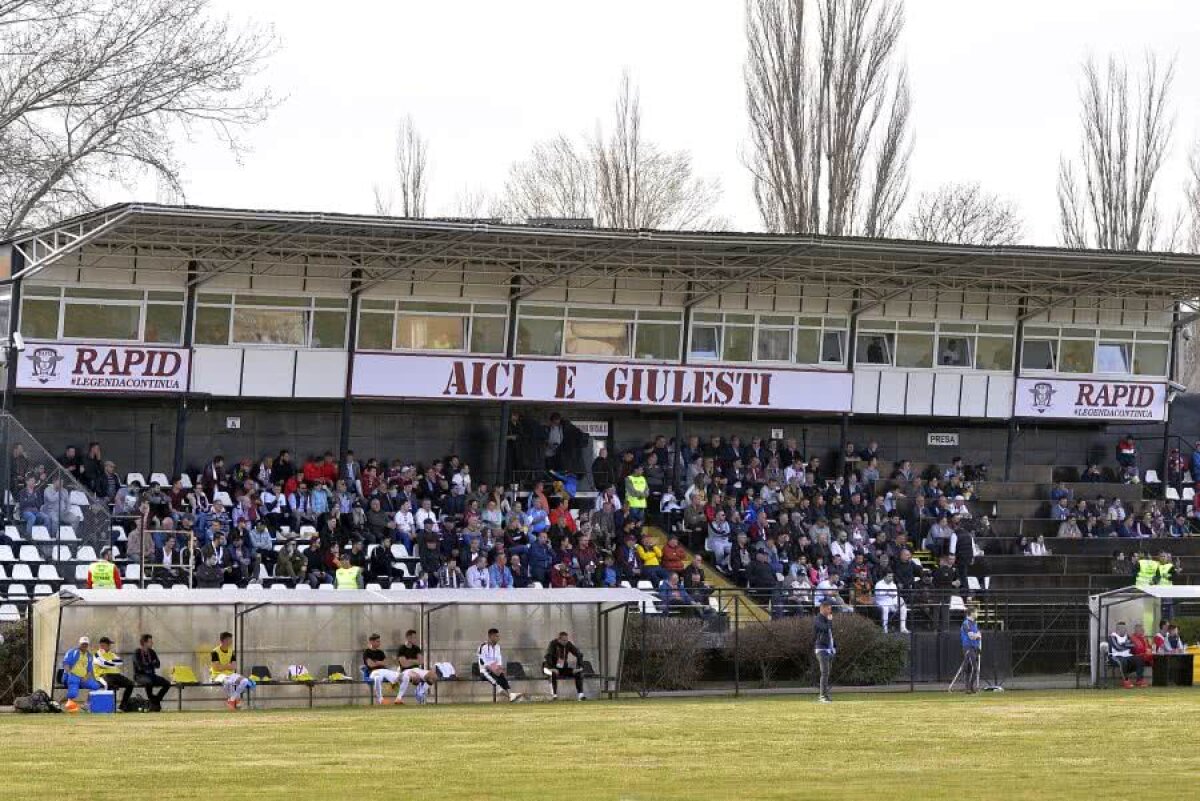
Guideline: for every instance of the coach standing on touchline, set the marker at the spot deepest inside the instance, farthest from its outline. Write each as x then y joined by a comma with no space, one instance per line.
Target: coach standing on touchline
823,645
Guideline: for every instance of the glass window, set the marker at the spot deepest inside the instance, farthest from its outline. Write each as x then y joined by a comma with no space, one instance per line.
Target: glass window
212,325
428,332
539,337
39,318
101,321
328,329
1150,358
1113,357
1076,355
808,346
954,351
774,345
1038,354
657,342
832,347
163,323
597,338
375,331
269,326
914,350
706,342
994,353
874,348
739,344
487,335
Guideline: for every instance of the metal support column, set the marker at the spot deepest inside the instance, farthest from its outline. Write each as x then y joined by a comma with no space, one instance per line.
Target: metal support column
510,347
1171,351
678,466
351,340
181,410
11,355
1012,420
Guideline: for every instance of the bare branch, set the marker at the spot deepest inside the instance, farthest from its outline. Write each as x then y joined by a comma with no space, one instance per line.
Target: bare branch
412,162
96,92
964,213
1106,200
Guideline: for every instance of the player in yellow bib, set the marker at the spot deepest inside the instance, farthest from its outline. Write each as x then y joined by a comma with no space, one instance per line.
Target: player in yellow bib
222,669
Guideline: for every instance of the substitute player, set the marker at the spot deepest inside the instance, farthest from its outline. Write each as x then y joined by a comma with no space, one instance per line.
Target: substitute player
557,665
222,669
491,664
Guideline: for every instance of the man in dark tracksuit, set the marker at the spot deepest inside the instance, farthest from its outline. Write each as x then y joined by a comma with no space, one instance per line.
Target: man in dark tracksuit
971,640
825,650
556,665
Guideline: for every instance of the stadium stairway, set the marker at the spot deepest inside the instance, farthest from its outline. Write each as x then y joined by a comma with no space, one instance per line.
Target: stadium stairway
749,609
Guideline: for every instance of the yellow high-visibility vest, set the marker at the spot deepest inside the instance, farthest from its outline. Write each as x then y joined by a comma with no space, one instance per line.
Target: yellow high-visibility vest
639,485
1165,572
107,656
1147,570
224,664
102,575
346,578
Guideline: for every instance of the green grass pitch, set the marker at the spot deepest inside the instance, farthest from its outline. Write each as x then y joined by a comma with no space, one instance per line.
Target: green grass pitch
1018,745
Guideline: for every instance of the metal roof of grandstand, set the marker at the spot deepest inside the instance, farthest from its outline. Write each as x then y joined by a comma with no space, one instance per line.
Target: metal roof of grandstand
364,250
290,597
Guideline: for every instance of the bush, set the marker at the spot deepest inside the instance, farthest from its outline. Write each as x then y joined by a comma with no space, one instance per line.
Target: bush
783,650
1189,629
14,662
674,653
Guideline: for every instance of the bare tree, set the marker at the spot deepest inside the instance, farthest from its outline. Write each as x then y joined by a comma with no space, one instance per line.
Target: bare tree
472,203
829,114
1106,199
1192,201
97,91
411,166
615,177
964,213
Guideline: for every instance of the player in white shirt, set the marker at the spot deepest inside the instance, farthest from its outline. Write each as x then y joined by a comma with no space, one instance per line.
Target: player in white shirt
491,664
424,679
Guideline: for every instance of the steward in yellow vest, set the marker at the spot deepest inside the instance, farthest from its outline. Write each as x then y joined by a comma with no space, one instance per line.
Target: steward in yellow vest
636,493
347,577
1147,571
103,574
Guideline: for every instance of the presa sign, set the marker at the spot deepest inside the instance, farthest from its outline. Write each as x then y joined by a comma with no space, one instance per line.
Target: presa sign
1089,399
386,375
81,367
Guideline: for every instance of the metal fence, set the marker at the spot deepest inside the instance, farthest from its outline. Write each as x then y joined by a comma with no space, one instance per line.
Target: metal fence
76,507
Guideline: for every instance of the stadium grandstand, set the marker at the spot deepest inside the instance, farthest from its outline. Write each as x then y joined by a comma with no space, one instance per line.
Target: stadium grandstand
229,398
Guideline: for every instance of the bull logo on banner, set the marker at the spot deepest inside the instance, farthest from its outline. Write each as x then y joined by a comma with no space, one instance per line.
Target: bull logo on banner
45,364
1043,395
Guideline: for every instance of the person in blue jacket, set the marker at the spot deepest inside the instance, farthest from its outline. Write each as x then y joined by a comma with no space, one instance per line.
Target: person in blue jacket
79,672
971,640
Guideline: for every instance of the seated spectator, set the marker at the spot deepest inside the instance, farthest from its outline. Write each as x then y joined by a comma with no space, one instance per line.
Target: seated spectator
1070,528
674,556
607,575
450,575
499,575
1061,510
478,576
1141,646
675,598
263,547
889,601
1174,643
291,565
1093,475
740,559
29,506
693,580
1120,652
650,555
1038,546
1059,492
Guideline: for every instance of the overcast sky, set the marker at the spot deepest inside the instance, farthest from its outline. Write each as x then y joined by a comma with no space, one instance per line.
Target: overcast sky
995,87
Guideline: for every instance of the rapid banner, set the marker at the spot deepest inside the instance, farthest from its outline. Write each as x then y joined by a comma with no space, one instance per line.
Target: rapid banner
1086,399
103,368
384,375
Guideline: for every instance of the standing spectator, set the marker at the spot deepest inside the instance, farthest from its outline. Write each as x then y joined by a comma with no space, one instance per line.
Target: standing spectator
637,490
93,469
824,648
603,471
945,582
1127,452
970,639
145,673
72,462
213,478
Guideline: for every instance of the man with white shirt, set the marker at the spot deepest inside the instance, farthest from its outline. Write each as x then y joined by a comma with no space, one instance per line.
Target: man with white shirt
843,547
478,577
491,664
425,513
275,507
887,598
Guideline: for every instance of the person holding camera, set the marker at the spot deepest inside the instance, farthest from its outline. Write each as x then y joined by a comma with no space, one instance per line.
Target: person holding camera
824,648
971,640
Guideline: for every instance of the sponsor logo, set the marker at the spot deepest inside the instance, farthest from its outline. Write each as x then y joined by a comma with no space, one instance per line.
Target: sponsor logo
45,364
1043,395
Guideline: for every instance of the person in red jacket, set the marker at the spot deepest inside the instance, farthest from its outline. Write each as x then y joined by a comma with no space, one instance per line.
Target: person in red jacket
1141,645
674,557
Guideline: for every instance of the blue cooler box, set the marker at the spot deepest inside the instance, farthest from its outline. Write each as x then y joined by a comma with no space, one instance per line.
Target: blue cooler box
102,702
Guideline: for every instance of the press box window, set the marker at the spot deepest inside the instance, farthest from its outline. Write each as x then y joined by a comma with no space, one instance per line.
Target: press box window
874,349
954,351
1113,357
1038,354
706,342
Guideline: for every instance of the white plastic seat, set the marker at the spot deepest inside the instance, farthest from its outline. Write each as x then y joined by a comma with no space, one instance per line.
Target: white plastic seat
42,590
132,477
9,613
86,554
223,498
1172,494
17,591
280,587
302,586
29,553
957,604
1152,477
227,587
13,533
79,498
48,573
67,534
399,551
76,512
625,585
3,575
160,479
6,554
68,588
263,575
40,534
645,585
21,572
1189,494
325,587
371,549
403,568
180,587
152,587
374,586
973,583
185,481
133,572
81,574
308,531
537,585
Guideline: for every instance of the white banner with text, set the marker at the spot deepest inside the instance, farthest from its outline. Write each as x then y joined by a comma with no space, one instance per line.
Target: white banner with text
386,375
103,368
1090,399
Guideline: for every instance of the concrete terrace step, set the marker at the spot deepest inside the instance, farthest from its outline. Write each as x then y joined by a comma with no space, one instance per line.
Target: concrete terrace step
1024,490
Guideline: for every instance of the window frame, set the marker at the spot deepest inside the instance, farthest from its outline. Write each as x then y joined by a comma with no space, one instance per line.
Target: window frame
1129,338
767,321
149,297
307,305
631,316
470,311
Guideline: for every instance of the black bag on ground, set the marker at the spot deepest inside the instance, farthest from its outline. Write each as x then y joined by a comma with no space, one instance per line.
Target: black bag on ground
37,701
